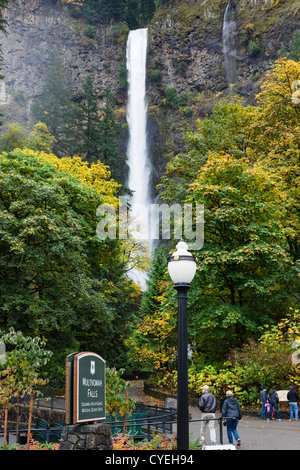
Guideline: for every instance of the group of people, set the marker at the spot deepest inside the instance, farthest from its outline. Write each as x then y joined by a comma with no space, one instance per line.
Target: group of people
231,414
231,411
270,403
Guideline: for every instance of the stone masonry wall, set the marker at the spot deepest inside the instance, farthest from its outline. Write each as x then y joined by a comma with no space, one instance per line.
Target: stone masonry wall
86,437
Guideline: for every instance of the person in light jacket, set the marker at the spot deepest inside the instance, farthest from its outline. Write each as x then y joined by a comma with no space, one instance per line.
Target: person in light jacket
231,414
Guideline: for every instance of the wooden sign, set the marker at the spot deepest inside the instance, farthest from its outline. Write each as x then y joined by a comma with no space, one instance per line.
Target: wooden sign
85,388
88,388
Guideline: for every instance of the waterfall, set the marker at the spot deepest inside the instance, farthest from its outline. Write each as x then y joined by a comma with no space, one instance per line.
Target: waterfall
229,35
137,151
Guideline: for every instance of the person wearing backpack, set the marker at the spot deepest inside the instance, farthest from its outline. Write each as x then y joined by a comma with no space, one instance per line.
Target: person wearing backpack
273,400
231,414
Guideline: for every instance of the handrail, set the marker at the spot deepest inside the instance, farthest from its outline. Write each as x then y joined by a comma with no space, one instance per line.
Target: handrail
148,421
148,424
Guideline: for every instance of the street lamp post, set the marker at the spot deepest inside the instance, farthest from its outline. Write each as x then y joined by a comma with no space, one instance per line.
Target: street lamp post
182,268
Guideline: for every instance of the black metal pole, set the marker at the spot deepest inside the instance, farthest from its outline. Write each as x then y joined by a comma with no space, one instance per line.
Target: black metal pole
182,391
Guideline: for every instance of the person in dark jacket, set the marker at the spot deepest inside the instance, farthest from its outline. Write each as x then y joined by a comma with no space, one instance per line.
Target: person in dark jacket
264,400
274,401
231,414
207,405
293,398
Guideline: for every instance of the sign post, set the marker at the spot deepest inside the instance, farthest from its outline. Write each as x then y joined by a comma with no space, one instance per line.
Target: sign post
69,387
85,388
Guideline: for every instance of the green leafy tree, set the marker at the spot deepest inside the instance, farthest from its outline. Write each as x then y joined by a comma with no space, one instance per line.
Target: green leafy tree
16,137
53,266
40,138
246,276
228,130
13,137
153,338
116,400
20,374
277,143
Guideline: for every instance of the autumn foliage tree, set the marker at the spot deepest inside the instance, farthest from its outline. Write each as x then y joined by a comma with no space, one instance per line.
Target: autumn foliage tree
152,339
242,163
20,374
58,279
245,269
75,3
277,136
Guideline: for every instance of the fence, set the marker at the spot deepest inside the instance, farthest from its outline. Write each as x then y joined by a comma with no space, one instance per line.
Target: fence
45,401
145,420
134,428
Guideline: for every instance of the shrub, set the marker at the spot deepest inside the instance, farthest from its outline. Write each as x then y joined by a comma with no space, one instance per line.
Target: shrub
159,441
254,48
174,99
155,75
90,31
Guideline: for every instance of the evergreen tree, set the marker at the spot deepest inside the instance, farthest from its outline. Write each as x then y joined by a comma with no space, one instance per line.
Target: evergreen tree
109,151
295,47
153,338
96,130
55,108
133,12
88,124
294,51
3,23
147,10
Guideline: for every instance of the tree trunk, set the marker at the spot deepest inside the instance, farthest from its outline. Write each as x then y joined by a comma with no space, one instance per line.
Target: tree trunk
5,423
29,420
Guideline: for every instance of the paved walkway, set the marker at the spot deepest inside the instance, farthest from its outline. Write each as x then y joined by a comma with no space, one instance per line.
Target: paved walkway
257,434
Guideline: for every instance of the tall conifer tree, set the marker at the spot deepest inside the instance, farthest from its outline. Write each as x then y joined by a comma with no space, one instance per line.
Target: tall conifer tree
55,108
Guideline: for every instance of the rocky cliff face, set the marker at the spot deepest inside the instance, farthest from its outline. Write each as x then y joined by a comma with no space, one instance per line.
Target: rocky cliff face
186,53
185,45
36,31
187,42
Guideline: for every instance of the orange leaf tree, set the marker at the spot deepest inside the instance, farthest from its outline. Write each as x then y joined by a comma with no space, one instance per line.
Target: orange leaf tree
19,375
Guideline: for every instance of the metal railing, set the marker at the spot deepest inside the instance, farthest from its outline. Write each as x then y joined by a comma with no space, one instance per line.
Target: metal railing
46,401
150,419
134,428
162,422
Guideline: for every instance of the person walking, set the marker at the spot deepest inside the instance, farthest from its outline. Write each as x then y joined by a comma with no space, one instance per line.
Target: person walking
293,398
207,406
264,402
274,401
231,414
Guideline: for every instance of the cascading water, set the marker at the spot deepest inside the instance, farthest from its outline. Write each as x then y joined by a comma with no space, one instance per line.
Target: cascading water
137,151
229,36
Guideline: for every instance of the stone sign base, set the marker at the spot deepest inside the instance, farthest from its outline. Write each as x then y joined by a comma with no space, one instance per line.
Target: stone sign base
86,437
